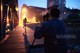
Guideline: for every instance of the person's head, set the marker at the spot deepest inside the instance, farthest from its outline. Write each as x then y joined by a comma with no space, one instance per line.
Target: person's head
54,12
25,18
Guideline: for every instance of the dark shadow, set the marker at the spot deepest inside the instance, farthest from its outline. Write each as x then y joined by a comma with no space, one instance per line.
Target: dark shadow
26,41
31,48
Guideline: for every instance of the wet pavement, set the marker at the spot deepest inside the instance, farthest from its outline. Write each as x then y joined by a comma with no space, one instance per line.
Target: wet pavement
19,40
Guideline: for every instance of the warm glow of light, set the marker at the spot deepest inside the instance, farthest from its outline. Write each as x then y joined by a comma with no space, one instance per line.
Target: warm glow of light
1,7
7,17
20,22
8,29
21,19
24,14
24,10
16,8
33,20
8,24
7,20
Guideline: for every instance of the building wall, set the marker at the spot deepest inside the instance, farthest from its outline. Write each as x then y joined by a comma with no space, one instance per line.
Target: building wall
36,12
33,13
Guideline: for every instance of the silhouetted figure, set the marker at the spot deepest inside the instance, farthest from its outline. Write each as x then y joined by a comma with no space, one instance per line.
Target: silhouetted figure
24,22
51,31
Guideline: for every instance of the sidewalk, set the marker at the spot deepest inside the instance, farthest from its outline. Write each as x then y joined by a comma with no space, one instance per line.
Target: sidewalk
18,43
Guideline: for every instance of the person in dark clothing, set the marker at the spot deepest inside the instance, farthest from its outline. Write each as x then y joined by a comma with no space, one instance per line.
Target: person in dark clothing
52,31
24,22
